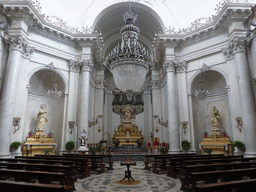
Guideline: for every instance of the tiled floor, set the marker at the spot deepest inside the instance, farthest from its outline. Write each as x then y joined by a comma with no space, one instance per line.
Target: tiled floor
149,182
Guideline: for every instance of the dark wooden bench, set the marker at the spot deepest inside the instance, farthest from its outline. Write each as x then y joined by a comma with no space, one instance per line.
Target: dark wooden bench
149,159
221,175
186,170
81,164
107,156
13,186
176,162
230,186
41,169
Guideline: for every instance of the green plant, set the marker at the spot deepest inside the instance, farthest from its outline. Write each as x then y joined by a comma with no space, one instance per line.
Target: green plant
92,150
162,150
47,151
208,151
15,144
70,145
139,143
99,146
185,144
239,144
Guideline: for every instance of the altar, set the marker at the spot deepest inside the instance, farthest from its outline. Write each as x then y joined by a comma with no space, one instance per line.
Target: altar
128,133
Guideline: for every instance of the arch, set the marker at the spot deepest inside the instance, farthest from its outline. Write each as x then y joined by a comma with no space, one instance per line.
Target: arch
59,74
198,72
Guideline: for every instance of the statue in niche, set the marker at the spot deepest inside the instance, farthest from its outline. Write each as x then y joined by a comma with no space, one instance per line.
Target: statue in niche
215,117
41,118
128,113
83,137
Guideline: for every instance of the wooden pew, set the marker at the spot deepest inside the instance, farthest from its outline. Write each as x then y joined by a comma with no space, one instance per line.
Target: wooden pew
13,186
150,158
223,175
230,186
186,170
81,164
67,170
176,162
108,156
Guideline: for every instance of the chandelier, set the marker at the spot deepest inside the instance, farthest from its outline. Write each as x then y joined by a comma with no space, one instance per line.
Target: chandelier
201,93
54,93
129,61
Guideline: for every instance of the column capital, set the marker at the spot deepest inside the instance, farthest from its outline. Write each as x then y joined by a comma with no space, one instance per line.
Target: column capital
181,66
86,65
147,89
99,84
27,51
238,44
169,66
228,53
108,89
17,43
74,66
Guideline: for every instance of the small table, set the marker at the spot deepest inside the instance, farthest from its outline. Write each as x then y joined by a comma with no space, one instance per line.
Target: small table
128,172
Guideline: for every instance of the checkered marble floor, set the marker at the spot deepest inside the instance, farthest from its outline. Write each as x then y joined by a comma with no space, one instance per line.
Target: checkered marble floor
149,182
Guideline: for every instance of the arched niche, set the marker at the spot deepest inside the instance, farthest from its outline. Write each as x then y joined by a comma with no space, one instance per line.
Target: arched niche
40,82
215,83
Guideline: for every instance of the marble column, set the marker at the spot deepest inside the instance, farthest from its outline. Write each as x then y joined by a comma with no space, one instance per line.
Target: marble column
107,116
147,114
233,91
74,68
98,109
83,99
191,123
246,95
173,108
7,103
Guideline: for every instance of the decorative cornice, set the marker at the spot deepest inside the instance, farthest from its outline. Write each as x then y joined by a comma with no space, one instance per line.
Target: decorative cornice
74,66
86,65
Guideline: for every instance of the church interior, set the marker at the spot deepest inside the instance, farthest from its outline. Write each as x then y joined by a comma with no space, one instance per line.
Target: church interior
125,100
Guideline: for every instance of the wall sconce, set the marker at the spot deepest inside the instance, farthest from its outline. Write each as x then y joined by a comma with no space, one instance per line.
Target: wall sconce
94,121
99,129
71,126
160,121
184,125
239,123
16,124
156,129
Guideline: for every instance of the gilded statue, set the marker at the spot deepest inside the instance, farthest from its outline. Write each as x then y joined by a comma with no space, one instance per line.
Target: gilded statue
215,117
41,118
128,113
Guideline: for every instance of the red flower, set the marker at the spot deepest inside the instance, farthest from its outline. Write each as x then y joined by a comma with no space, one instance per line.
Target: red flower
149,144
163,144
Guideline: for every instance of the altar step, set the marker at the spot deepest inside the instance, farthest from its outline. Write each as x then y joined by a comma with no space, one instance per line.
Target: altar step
126,148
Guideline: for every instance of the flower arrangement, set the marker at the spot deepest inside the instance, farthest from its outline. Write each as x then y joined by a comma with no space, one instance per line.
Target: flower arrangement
162,150
185,144
163,144
92,150
149,144
47,151
15,144
239,144
70,145
208,151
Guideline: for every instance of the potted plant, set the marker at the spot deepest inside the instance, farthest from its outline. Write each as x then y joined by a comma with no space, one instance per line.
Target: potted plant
15,145
70,145
185,145
208,151
116,143
92,150
139,143
102,150
47,151
239,147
